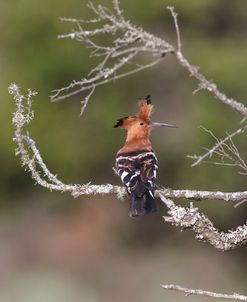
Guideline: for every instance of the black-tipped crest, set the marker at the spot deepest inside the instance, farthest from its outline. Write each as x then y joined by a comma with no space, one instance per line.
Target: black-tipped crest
149,99
120,122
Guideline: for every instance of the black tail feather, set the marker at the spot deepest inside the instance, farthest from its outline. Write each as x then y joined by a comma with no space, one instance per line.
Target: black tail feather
142,205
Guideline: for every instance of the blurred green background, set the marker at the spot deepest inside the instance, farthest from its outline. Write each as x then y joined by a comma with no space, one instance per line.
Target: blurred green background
56,248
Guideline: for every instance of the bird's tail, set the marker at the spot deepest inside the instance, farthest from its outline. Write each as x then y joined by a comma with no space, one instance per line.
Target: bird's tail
142,205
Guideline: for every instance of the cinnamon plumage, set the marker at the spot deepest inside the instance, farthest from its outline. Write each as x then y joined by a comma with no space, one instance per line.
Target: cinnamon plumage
136,163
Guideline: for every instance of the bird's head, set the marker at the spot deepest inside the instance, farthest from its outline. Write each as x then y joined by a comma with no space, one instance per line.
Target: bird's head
140,124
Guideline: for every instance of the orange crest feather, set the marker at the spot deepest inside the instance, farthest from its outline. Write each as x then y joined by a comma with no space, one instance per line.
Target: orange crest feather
145,110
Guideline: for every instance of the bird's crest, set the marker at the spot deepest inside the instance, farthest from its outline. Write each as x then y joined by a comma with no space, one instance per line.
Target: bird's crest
144,113
145,109
120,122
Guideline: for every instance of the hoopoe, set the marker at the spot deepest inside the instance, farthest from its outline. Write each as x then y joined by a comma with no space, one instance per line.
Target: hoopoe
136,163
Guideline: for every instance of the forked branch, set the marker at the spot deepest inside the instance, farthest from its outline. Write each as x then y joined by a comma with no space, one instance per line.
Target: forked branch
189,218
225,150
123,55
121,58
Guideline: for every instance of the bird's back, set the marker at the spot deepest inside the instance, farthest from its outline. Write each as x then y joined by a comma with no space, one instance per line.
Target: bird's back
137,170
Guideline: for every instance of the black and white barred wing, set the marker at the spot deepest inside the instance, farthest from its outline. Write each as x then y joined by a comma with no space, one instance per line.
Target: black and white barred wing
149,169
137,171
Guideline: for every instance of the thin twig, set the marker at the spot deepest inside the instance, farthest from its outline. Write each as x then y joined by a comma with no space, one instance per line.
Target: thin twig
240,203
86,99
175,19
200,292
224,150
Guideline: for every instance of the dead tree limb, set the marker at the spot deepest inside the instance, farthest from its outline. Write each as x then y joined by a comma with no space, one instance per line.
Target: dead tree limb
128,43
190,218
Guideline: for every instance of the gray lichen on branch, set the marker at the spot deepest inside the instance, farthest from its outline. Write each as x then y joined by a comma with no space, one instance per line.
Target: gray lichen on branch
181,216
128,43
190,218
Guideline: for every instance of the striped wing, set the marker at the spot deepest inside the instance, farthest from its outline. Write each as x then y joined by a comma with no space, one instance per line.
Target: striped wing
137,171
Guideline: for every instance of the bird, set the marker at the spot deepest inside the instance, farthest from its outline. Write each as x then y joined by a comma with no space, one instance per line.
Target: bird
136,163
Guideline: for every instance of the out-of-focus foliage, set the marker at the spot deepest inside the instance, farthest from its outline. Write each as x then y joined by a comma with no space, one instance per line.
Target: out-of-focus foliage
82,149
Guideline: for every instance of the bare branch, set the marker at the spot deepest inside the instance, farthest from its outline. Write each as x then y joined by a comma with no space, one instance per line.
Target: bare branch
239,203
190,218
45,178
225,149
129,39
196,195
86,99
128,42
175,15
184,217
23,117
206,293
117,9
203,195
210,86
